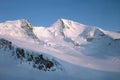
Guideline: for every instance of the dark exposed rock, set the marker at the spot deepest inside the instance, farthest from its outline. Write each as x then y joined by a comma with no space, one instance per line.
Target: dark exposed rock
5,44
49,64
20,53
39,61
89,39
42,62
30,57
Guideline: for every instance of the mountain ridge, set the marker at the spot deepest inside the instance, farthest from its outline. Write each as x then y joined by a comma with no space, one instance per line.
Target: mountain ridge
66,37
61,26
65,50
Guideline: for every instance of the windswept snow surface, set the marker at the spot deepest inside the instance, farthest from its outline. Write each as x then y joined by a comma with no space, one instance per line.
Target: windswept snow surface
84,52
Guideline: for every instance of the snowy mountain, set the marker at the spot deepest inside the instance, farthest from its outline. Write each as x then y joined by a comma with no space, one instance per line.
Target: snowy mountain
66,50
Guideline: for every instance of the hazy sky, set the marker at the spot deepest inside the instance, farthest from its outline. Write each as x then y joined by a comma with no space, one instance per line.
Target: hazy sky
101,13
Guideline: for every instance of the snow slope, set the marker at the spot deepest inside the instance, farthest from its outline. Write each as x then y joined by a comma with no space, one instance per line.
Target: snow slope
83,52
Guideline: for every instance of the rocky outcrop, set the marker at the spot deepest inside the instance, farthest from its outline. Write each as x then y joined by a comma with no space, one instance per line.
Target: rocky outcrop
38,61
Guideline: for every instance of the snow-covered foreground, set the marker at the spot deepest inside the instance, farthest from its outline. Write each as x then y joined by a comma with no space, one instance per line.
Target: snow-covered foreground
11,70
83,52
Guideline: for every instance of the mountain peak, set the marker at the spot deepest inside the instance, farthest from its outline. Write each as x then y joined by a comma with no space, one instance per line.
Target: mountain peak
24,21
15,23
67,28
18,29
67,22
64,20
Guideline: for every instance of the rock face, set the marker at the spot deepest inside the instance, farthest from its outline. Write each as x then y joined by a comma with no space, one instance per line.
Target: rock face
5,44
38,61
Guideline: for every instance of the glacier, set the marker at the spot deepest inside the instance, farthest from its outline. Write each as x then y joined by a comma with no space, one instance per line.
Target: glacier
75,51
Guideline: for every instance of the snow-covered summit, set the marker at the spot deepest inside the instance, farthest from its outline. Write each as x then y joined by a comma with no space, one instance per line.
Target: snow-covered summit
13,28
64,37
17,29
68,49
17,23
62,27
67,28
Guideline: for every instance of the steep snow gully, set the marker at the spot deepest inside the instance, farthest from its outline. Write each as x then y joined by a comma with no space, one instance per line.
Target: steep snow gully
65,49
